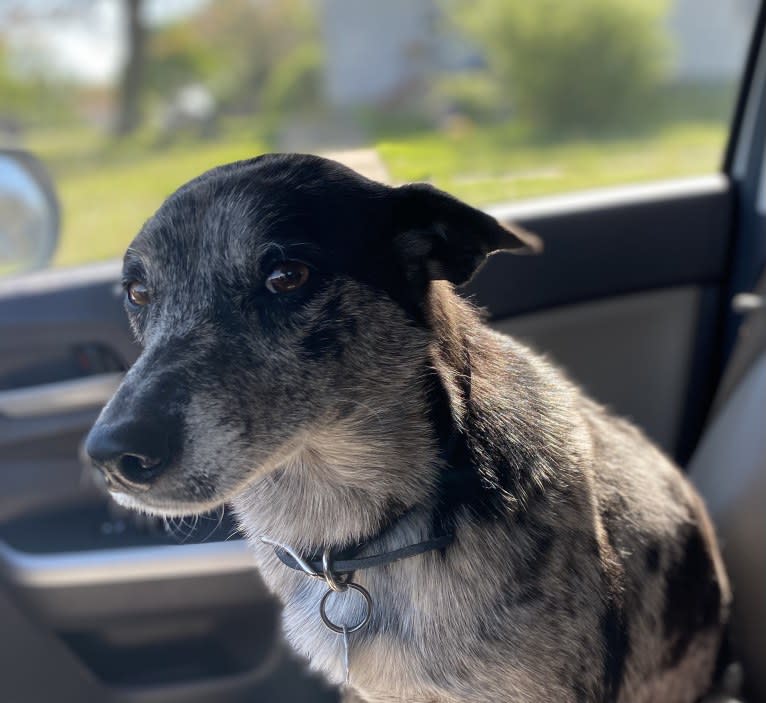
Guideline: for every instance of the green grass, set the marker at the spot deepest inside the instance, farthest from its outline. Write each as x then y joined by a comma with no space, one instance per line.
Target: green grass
492,166
107,190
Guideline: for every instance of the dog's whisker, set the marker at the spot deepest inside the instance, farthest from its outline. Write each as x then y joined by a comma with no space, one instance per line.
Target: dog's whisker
188,527
221,511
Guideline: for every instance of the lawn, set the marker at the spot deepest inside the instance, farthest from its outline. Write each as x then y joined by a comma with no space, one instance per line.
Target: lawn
108,190
494,166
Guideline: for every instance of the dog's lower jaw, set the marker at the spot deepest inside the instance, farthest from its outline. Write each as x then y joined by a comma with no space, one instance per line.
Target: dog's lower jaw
164,508
345,483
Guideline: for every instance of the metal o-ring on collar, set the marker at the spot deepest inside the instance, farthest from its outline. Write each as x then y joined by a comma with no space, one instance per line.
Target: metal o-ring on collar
338,628
329,576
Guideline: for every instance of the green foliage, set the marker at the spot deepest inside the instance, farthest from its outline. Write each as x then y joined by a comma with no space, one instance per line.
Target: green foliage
108,189
572,65
473,94
501,163
177,58
294,84
238,48
33,99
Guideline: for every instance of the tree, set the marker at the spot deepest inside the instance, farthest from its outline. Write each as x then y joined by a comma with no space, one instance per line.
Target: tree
131,84
131,81
579,64
244,51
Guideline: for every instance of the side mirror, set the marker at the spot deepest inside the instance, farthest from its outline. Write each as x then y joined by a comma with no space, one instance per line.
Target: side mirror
29,213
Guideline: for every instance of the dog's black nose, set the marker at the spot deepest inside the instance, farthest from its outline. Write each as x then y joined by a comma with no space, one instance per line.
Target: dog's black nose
131,455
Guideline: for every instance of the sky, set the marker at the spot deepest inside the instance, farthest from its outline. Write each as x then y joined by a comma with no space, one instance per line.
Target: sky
81,39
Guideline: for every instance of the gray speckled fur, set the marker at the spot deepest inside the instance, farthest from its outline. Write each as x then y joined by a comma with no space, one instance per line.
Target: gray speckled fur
587,571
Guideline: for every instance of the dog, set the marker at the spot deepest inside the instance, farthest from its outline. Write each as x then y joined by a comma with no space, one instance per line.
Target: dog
307,360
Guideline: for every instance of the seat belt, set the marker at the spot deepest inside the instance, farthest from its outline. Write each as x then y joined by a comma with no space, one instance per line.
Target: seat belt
750,344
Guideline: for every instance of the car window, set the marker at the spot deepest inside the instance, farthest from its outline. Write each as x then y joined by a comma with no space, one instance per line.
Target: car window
492,100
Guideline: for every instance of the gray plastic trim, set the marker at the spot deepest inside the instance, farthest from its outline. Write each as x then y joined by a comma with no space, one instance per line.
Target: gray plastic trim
617,197
124,565
48,280
749,121
644,343
760,203
729,470
59,397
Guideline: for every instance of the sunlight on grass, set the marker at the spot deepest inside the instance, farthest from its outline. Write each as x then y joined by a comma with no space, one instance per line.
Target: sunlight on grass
484,168
107,193
107,190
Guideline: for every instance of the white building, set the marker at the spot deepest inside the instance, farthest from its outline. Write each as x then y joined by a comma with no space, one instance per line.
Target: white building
710,37
402,41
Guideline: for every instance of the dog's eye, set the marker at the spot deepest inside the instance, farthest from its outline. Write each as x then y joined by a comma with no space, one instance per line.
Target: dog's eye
287,277
138,293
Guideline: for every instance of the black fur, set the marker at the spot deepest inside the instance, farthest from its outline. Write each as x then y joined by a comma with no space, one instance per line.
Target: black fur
692,595
616,643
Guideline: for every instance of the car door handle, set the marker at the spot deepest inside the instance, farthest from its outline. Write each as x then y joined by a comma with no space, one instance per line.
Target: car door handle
59,397
124,565
743,303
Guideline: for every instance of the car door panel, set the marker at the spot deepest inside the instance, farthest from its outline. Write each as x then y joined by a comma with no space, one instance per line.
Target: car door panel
124,669
627,296
63,345
643,342
612,242
119,608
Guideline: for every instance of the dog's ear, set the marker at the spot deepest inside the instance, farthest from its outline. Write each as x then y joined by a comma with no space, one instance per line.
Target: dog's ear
442,238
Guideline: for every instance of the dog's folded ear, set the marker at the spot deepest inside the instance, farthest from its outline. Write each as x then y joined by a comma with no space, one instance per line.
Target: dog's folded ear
446,239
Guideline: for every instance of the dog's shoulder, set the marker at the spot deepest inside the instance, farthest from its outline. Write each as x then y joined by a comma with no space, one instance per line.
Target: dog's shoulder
613,528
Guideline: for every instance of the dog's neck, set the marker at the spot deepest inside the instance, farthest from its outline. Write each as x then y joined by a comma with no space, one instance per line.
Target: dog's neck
351,478
348,481
441,453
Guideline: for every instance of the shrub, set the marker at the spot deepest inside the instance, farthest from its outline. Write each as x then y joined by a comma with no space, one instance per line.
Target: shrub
473,94
294,83
572,65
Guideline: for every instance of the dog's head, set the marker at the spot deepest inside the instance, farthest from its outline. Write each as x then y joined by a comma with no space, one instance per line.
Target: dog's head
273,298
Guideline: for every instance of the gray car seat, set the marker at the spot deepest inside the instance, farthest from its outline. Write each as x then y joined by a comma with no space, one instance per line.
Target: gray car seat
729,469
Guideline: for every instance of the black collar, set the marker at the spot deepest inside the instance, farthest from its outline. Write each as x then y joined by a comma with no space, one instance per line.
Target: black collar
346,561
350,563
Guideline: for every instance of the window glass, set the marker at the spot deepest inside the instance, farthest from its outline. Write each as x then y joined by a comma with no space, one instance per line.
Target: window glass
492,100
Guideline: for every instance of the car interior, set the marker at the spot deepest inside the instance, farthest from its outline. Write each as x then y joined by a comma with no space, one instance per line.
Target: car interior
635,296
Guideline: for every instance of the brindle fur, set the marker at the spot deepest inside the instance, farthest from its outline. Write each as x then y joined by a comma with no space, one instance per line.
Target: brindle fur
584,567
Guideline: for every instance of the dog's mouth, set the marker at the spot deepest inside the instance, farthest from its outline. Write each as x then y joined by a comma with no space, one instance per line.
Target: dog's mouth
165,491
198,480
176,493
144,503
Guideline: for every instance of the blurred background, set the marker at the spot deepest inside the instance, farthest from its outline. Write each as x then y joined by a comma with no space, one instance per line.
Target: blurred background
124,100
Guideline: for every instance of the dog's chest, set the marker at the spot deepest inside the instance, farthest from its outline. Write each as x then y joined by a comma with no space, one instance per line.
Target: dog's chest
386,654
301,597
